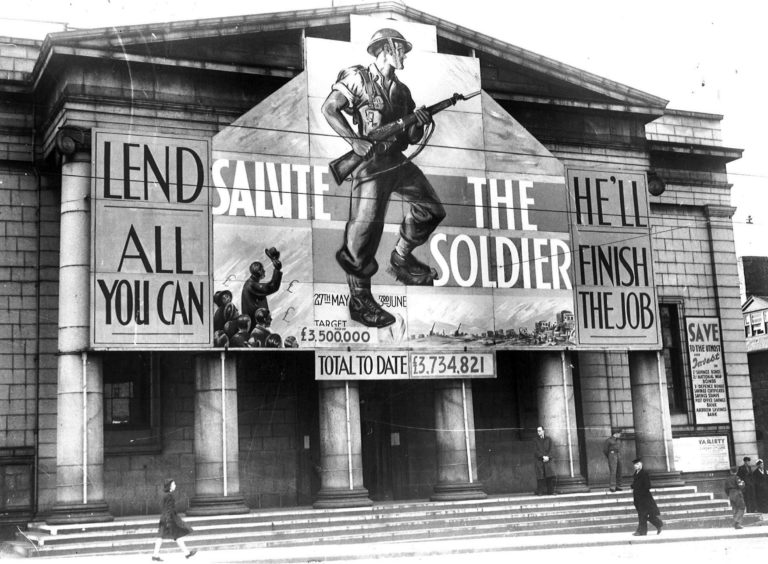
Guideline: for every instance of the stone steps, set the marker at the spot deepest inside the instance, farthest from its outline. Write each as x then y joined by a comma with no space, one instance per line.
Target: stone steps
681,507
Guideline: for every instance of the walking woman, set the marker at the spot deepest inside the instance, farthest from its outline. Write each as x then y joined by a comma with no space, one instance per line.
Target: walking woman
171,525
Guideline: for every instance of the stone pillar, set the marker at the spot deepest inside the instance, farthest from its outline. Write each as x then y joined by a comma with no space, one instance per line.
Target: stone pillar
217,474
341,453
557,414
80,420
455,432
734,360
650,409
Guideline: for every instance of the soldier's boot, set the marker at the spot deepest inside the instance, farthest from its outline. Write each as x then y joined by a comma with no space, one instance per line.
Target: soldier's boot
411,271
366,310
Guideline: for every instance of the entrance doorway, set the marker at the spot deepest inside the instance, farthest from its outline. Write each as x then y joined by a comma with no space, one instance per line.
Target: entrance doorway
376,432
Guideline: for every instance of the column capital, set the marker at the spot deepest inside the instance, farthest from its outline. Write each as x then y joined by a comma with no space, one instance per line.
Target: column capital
720,212
74,142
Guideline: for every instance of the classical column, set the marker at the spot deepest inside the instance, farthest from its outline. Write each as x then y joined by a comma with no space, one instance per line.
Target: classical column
725,282
217,474
341,454
650,410
557,414
80,421
455,431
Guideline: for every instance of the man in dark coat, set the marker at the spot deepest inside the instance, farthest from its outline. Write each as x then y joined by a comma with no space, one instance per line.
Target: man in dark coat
542,453
733,489
760,482
646,507
745,475
255,292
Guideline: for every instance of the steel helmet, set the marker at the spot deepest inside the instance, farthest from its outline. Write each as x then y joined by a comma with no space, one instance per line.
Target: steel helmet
387,35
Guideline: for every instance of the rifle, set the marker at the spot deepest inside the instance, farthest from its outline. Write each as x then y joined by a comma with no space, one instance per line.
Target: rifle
342,167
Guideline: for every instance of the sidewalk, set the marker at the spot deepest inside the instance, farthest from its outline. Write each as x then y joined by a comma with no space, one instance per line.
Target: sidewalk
423,549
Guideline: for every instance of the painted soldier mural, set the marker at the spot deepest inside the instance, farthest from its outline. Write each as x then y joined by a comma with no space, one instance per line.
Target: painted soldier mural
374,97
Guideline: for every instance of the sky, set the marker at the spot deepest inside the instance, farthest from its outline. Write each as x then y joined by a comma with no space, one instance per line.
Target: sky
701,55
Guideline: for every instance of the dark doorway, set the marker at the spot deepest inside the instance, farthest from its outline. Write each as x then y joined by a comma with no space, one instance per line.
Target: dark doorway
376,432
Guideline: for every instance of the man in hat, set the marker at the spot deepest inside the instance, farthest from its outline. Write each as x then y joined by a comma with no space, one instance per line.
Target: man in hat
225,310
542,454
255,292
733,489
646,507
612,451
745,475
374,96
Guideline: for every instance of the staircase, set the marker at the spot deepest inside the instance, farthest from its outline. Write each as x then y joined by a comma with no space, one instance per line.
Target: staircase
681,507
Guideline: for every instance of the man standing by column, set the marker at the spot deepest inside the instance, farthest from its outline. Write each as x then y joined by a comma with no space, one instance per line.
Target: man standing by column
542,453
612,451
647,510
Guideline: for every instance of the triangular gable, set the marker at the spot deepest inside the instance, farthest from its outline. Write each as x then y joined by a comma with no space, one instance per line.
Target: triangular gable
180,40
278,126
755,303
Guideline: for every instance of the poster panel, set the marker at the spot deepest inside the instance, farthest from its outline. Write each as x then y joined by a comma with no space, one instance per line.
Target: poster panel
614,291
151,244
493,233
701,454
710,400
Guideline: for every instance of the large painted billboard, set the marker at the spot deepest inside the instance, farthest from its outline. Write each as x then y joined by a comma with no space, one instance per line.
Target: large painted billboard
466,246
379,208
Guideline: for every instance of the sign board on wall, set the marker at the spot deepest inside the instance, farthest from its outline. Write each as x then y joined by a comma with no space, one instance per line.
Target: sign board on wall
501,253
151,246
614,290
701,454
523,257
710,400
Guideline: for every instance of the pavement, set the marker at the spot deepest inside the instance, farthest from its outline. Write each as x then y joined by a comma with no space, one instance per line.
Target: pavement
492,548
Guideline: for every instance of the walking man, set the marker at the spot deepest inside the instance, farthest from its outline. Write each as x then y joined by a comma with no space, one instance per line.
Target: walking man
612,451
646,507
745,475
542,453
374,96
733,489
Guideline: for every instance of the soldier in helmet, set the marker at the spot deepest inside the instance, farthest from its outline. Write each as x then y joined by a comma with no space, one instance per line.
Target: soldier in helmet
374,96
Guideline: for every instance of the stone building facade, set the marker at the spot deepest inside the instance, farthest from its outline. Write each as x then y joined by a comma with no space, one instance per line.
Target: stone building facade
89,434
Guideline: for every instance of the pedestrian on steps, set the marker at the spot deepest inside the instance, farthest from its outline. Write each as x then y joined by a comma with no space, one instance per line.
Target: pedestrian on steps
734,486
612,451
171,525
647,510
542,454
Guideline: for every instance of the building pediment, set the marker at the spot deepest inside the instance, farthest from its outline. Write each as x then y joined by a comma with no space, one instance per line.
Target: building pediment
272,44
755,303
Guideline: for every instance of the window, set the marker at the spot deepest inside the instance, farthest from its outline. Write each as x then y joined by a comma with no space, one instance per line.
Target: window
673,356
757,326
130,402
747,325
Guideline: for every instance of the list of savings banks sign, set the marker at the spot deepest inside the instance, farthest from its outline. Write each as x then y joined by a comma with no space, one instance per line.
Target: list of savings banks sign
519,252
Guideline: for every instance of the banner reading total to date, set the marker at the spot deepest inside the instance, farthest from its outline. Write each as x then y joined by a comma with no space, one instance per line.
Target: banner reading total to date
402,365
